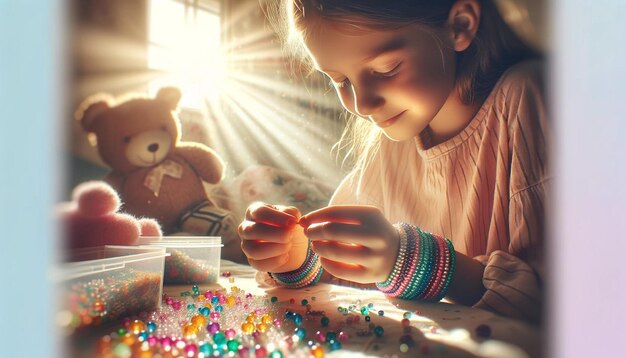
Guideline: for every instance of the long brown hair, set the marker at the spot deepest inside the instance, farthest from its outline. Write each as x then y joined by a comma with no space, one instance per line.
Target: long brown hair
494,49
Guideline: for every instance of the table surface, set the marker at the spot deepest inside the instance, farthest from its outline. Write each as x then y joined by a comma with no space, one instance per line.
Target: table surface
440,329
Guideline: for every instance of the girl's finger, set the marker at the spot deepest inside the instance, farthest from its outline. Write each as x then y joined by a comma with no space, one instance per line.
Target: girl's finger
268,265
345,233
350,272
347,214
263,250
250,230
270,215
340,252
291,210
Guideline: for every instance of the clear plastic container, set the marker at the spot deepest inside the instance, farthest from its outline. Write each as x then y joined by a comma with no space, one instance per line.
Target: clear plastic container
191,260
109,283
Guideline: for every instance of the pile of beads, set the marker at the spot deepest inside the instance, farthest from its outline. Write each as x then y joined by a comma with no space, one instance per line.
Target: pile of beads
121,293
235,323
180,268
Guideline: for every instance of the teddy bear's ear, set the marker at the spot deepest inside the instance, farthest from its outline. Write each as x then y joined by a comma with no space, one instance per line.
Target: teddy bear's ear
90,108
171,95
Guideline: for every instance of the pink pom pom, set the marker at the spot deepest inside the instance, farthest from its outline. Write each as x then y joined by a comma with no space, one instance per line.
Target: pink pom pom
150,227
96,198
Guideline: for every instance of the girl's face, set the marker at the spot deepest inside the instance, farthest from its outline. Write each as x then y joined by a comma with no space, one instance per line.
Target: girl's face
398,79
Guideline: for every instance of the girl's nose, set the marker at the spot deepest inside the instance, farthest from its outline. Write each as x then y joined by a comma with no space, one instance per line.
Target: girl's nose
366,100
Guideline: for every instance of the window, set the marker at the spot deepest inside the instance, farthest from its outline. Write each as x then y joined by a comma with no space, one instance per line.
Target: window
184,43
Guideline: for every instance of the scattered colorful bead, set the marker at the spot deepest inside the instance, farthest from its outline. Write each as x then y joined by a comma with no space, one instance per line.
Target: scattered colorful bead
215,325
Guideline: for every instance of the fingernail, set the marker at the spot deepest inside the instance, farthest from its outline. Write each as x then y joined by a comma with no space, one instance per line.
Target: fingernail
304,222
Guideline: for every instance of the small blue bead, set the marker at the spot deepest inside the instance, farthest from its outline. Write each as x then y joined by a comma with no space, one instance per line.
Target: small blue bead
300,332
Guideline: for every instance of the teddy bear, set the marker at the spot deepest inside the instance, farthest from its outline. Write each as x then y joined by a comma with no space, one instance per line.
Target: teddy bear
93,219
156,174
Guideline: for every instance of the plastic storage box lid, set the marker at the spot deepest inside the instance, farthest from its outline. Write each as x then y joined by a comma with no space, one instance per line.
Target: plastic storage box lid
103,259
181,241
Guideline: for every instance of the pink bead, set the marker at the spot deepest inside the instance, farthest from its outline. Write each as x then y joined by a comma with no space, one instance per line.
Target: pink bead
152,341
215,315
191,350
230,333
277,323
166,342
343,336
260,351
321,336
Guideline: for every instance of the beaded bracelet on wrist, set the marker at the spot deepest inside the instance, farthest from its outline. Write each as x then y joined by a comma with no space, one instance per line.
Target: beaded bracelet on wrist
423,268
308,273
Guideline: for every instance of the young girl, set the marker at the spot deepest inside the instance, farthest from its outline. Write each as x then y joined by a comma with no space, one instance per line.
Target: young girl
456,147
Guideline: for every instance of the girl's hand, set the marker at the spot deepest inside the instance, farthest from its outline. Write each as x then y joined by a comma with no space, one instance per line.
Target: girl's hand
355,243
272,239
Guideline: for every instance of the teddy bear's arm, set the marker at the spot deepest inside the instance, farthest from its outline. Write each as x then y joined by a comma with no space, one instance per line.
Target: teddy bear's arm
204,160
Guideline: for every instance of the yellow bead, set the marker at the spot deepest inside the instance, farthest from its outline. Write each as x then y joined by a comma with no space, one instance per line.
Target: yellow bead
200,298
137,326
128,339
198,321
317,351
251,318
230,301
190,331
247,328
231,279
267,319
261,327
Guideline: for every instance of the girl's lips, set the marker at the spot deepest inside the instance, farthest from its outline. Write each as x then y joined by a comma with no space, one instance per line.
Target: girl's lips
388,122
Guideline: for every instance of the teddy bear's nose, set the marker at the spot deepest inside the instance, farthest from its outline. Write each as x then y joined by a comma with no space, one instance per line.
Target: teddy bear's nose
153,147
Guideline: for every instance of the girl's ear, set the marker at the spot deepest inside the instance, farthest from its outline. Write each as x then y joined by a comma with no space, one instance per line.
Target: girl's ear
463,20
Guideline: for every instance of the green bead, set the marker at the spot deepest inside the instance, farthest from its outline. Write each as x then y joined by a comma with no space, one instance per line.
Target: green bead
364,310
233,345
276,354
325,321
304,302
219,338
121,332
379,331
274,299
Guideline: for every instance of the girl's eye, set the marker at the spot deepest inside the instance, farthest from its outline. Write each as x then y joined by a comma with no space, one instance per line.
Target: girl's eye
389,73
